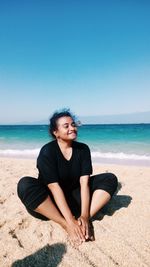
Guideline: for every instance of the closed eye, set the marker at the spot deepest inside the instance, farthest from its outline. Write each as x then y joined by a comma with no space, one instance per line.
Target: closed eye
73,124
66,125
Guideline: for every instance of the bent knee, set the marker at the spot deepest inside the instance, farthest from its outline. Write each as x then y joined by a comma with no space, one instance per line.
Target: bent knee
114,180
23,185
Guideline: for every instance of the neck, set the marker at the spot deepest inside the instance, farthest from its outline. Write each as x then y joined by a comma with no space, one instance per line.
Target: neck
64,144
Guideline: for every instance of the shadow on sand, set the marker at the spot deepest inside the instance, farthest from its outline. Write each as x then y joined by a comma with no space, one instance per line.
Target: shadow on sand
117,202
48,256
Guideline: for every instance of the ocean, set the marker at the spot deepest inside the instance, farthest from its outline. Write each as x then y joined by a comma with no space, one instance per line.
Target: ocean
109,143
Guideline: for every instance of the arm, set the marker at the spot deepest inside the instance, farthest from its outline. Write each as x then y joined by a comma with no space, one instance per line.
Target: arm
85,196
85,205
86,170
71,226
60,200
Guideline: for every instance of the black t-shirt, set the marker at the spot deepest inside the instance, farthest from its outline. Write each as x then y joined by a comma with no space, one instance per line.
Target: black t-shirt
53,167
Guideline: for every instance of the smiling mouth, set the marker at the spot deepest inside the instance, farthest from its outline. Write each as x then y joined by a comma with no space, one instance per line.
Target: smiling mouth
73,133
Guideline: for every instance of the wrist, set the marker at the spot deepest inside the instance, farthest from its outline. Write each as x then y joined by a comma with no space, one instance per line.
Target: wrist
67,222
85,216
70,219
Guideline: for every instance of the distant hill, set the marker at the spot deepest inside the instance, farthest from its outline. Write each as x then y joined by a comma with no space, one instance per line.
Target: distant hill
139,117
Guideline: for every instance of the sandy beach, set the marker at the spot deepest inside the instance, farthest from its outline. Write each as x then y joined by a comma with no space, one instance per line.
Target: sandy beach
122,229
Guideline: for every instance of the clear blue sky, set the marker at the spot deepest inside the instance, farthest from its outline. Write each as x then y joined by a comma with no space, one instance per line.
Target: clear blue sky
91,56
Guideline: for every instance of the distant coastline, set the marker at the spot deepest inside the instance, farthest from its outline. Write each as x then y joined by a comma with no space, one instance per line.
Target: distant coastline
131,118
82,124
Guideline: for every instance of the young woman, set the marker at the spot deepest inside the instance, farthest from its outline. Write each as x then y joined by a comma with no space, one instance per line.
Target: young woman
65,191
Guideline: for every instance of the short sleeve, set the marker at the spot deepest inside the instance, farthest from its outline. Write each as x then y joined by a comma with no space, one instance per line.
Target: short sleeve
46,165
86,163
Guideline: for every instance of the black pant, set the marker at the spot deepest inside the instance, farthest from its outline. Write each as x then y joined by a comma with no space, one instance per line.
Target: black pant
32,192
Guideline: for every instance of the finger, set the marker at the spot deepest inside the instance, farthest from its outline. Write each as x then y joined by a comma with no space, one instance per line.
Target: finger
82,226
86,231
80,231
79,222
76,238
80,234
76,233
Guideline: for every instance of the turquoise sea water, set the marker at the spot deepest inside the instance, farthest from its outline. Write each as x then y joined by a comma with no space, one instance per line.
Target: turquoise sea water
124,143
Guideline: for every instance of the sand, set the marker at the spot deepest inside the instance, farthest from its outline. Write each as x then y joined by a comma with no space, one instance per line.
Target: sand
122,229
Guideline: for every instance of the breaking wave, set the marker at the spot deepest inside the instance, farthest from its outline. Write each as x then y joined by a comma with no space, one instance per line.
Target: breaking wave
120,156
33,153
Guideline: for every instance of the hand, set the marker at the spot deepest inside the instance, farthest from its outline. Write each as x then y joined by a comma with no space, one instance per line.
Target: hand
75,232
84,223
87,228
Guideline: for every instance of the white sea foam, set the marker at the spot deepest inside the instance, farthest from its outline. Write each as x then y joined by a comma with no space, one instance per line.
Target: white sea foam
119,156
20,153
95,155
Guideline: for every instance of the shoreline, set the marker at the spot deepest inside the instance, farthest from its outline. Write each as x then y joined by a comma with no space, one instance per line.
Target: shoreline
99,162
120,229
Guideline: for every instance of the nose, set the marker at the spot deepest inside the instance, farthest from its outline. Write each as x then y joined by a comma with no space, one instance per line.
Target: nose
72,126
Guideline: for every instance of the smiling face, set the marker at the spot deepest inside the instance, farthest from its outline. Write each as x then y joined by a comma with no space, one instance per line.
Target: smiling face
66,129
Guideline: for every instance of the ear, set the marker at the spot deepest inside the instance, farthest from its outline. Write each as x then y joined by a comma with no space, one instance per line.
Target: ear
55,133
